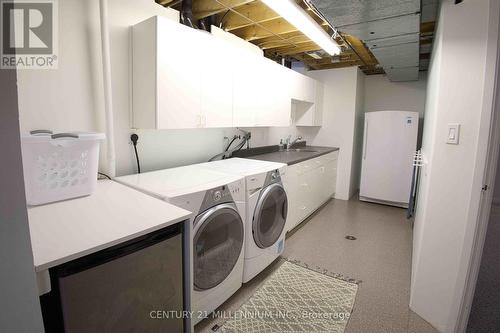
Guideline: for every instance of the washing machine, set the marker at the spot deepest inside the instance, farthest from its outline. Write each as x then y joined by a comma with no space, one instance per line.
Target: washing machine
266,209
218,203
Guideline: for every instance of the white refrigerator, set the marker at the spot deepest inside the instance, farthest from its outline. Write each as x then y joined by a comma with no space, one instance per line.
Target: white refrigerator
390,141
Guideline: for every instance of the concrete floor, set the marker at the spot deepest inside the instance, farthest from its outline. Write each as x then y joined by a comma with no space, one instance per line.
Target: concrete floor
380,257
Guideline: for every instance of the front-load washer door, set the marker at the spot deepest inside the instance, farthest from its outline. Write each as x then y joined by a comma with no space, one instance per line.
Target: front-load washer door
270,215
217,243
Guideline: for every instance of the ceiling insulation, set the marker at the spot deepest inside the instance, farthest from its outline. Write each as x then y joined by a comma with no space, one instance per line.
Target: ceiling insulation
390,29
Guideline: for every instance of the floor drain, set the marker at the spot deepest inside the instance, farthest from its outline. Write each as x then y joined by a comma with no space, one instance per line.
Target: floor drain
349,237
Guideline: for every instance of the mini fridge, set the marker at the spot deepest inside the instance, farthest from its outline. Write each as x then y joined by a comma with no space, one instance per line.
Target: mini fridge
121,289
390,141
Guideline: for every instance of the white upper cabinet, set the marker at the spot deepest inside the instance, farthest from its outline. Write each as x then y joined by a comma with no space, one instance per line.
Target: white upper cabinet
248,90
259,96
216,84
310,114
166,75
188,78
276,100
303,87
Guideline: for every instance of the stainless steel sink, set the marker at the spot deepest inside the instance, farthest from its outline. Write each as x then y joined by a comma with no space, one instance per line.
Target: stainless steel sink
300,150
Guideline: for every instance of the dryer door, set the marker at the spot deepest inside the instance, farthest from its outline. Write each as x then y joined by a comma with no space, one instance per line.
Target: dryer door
217,244
270,215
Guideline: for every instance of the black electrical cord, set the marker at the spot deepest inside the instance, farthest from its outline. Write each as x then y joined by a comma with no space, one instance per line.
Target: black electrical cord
104,175
134,138
230,143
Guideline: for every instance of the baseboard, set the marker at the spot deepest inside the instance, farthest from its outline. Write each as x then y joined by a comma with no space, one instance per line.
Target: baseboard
384,202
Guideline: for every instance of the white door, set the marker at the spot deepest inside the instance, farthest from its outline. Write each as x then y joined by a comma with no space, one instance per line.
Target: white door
390,139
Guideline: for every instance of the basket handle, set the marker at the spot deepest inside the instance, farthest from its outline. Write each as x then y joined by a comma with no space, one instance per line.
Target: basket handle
65,135
40,131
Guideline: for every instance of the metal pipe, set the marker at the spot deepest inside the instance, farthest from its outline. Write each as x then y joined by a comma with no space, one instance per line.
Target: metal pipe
108,99
321,16
187,13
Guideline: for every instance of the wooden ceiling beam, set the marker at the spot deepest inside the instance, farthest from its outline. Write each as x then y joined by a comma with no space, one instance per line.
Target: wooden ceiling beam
275,42
205,8
427,27
361,49
165,3
342,64
277,26
306,60
424,56
246,15
292,49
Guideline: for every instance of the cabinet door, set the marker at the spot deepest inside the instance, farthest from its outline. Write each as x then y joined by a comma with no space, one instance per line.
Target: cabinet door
276,101
309,86
330,178
292,188
248,90
217,84
179,75
297,85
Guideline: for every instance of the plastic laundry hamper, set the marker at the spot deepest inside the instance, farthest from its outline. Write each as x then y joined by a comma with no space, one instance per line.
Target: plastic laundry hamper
59,166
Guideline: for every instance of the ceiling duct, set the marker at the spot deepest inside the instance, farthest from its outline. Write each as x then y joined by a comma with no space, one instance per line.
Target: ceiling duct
390,29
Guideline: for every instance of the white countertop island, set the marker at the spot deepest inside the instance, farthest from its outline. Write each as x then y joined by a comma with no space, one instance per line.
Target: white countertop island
114,213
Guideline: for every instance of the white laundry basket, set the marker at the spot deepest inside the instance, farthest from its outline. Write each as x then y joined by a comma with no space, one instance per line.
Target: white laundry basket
59,166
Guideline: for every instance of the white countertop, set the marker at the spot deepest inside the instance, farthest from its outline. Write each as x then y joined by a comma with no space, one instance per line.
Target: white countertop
170,183
114,213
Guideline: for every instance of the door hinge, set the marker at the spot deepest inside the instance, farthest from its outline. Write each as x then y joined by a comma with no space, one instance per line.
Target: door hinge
484,188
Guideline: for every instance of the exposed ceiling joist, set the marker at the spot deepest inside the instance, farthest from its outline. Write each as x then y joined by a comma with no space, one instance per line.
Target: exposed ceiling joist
266,29
363,52
292,49
247,15
295,37
342,64
253,21
427,27
205,8
165,2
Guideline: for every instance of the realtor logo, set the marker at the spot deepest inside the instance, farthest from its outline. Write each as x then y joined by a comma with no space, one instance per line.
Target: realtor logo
29,34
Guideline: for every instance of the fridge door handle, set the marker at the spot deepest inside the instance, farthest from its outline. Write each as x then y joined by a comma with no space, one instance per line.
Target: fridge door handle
365,141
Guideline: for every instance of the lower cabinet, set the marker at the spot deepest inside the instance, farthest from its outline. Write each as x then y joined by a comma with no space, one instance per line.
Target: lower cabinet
310,184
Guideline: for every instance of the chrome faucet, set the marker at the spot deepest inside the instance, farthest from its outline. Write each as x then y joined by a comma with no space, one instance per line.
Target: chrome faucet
290,144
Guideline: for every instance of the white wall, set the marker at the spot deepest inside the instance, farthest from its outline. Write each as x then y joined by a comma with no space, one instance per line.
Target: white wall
450,187
339,117
71,97
382,94
19,304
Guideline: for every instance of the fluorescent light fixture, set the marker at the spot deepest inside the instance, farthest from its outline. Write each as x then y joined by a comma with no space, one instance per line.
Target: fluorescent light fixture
296,16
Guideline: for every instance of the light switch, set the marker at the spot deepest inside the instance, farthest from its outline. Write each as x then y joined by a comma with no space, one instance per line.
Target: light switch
453,134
